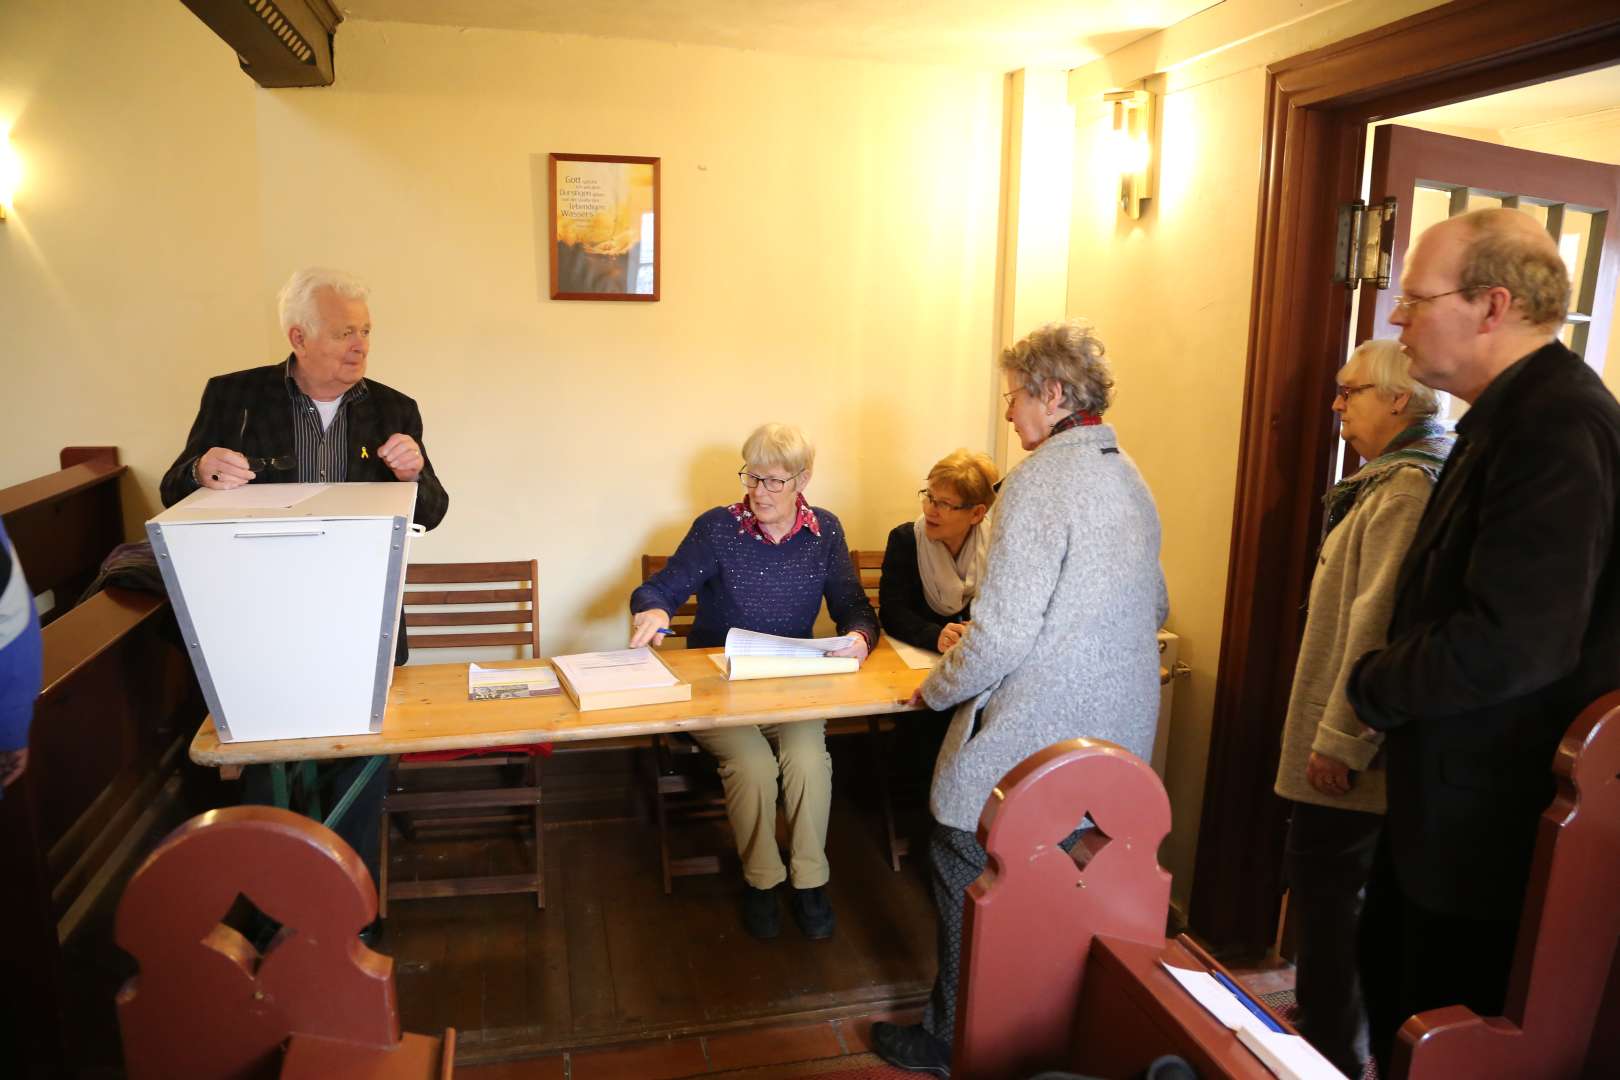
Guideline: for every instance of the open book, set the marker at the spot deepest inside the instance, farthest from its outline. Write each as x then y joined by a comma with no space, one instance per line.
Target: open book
751,655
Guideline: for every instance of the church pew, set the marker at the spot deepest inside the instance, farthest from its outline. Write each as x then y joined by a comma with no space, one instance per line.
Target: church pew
65,523
1562,1016
207,1004
1061,955
109,731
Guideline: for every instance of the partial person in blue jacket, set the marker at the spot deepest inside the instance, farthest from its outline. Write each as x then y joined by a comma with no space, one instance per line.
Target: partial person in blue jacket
765,563
21,663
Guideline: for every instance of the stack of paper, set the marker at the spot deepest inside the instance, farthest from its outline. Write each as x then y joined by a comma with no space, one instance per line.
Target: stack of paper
751,655
1287,1056
618,678
488,684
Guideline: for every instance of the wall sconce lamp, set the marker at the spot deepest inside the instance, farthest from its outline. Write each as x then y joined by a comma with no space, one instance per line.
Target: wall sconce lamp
10,171
1131,147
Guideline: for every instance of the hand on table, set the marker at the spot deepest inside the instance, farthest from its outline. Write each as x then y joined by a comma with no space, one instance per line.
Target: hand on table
222,469
644,627
401,454
1328,776
857,648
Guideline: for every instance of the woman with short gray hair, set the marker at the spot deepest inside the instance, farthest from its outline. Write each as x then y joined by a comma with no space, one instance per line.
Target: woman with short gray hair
1330,765
1063,639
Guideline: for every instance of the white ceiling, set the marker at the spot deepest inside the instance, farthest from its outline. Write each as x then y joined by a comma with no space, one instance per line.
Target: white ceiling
1561,99
1001,35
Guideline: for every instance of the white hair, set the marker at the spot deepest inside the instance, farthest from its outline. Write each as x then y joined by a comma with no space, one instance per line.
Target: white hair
779,446
1385,364
295,303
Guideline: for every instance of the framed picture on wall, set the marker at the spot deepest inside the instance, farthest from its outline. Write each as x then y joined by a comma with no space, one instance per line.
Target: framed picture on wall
604,227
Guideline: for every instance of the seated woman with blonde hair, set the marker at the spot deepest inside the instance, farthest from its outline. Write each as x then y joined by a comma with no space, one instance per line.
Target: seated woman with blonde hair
932,566
766,563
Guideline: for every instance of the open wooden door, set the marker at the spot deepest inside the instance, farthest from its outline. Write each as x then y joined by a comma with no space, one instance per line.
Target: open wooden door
1439,176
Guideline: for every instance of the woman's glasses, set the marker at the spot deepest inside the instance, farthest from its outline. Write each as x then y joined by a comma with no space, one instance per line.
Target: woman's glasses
771,483
938,504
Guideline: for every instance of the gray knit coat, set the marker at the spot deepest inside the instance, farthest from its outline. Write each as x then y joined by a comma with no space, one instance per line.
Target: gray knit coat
1062,642
1352,596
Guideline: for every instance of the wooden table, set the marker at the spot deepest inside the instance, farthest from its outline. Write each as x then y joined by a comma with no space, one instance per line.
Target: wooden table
428,710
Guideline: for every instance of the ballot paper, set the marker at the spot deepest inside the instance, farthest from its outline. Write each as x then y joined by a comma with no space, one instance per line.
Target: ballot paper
751,655
489,683
615,670
1287,1056
913,657
750,643
256,497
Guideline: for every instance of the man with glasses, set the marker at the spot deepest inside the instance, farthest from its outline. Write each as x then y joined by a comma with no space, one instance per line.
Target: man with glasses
313,418
1506,621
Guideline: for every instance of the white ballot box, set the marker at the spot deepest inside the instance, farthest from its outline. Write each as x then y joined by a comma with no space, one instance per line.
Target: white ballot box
288,596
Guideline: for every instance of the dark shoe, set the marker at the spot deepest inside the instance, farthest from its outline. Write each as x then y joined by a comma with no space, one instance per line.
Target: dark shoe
813,913
761,915
911,1047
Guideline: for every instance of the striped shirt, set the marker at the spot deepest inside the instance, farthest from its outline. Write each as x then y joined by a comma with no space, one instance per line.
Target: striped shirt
323,455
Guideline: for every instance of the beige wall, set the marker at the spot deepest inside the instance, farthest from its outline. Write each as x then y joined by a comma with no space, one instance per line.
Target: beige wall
131,267
1169,295
829,234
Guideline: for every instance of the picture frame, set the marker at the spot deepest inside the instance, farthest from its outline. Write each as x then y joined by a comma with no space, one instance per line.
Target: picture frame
605,227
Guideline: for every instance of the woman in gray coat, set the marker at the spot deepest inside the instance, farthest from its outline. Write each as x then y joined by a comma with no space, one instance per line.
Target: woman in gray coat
1062,643
1328,764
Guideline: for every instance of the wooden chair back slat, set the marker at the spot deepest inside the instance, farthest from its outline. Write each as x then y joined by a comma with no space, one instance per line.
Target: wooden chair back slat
469,618
427,597
869,568
470,641
467,573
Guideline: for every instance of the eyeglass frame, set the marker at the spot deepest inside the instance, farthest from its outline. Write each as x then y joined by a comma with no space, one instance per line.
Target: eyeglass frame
940,504
1408,304
1010,394
1345,392
781,482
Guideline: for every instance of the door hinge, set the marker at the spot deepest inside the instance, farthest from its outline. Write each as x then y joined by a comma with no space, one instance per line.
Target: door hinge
1361,255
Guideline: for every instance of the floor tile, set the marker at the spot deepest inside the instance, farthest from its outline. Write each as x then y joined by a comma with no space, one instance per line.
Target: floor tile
772,1046
649,1061
545,1068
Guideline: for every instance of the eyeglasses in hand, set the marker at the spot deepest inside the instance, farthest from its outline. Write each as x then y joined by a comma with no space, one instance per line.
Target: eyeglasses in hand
772,483
279,463
929,500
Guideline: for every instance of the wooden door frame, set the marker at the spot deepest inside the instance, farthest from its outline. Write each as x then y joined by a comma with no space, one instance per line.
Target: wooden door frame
1317,111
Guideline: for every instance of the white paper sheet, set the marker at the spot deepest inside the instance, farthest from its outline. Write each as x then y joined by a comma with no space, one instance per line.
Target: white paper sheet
616,669
1287,1056
913,657
749,643
257,497
487,684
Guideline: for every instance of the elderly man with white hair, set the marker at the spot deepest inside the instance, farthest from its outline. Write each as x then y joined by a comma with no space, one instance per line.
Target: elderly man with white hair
313,418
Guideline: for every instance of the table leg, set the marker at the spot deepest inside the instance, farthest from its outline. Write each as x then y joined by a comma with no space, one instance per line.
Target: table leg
355,788
278,785
312,789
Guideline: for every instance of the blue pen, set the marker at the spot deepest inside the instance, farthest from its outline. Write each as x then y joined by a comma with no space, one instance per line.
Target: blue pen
1248,1002
666,631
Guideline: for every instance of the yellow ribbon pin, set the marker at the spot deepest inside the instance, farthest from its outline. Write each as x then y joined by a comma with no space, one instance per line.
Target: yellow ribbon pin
363,452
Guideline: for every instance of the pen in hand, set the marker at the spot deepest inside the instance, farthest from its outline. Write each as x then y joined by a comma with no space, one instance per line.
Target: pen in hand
666,631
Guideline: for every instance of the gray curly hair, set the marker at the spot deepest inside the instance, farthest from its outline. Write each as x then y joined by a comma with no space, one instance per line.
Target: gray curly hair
1072,355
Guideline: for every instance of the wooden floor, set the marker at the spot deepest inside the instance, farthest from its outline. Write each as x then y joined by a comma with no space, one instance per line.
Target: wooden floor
612,960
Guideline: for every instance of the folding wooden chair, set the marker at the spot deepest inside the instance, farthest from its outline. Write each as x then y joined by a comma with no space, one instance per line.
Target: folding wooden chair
493,603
